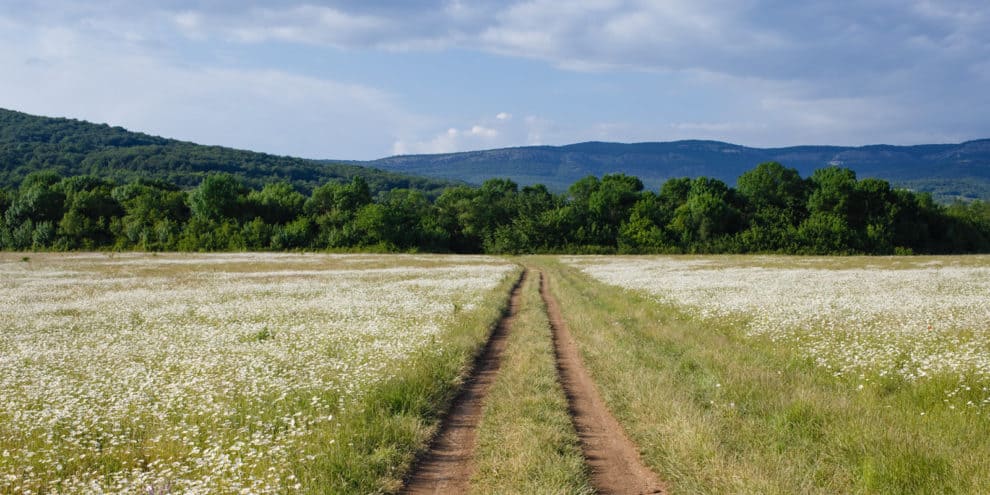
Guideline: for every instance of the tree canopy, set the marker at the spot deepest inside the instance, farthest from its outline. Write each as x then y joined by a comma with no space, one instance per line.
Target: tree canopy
771,210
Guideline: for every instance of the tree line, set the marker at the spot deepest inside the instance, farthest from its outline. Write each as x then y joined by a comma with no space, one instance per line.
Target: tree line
70,147
772,209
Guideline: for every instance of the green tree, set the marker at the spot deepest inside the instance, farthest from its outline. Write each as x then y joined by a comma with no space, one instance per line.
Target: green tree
874,216
35,201
826,233
529,231
293,235
218,198
674,193
832,200
37,206
333,208
833,191
257,234
967,228
597,208
610,205
771,185
90,211
276,203
203,234
708,216
471,217
912,215
6,198
644,231
404,221
457,214
775,199
154,213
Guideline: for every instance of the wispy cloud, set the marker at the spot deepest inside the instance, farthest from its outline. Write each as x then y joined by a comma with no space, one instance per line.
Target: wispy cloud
68,72
487,133
844,72
881,53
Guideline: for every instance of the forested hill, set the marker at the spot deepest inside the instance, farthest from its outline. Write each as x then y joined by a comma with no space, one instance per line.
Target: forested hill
72,147
948,171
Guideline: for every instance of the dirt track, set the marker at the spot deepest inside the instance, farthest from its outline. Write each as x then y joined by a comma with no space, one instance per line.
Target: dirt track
614,460
447,467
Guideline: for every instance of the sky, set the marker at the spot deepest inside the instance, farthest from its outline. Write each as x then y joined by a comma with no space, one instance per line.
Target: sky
363,79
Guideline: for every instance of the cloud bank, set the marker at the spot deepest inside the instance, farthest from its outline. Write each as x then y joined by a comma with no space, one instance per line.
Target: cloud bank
758,72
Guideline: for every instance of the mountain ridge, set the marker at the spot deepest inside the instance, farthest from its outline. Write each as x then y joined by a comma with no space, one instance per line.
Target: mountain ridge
75,147
949,171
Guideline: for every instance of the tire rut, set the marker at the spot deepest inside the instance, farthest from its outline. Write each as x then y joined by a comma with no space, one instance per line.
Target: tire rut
613,459
447,466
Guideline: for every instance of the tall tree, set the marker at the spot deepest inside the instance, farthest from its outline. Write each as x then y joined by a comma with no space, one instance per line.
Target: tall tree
775,202
276,203
218,198
707,217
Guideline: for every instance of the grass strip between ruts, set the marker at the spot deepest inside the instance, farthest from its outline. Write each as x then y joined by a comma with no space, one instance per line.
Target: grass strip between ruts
526,441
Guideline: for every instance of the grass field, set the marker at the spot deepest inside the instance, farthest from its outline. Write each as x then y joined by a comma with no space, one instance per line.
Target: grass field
231,373
792,375
305,373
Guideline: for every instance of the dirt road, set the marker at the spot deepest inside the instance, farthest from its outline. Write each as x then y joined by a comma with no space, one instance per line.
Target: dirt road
614,460
448,465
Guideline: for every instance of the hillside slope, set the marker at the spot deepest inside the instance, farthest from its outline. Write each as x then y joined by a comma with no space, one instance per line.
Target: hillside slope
948,170
72,147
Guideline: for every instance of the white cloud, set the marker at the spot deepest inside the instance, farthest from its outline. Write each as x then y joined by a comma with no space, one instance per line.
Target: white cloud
449,141
502,131
531,130
882,53
64,72
484,132
841,72
305,24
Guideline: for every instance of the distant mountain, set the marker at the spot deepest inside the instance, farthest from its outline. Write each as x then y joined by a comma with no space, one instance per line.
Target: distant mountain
72,147
949,171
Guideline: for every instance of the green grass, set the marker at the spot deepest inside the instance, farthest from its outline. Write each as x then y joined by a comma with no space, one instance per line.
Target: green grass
223,427
716,412
373,447
526,442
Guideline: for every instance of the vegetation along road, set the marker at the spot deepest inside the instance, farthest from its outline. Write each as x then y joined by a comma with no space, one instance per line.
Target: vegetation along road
277,373
612,460
741,375
447,467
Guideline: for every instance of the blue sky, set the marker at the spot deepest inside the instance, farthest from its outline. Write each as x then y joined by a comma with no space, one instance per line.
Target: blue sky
363,79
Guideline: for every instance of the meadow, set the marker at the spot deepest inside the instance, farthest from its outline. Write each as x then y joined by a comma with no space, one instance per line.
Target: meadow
744,374
313,373
865,319
231,373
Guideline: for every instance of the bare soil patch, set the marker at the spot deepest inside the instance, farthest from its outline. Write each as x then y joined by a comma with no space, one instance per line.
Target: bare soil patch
614,460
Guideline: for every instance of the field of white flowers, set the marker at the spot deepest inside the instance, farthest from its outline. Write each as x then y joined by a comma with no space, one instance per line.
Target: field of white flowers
866,319
203,373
